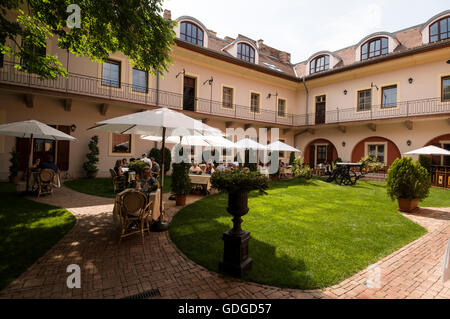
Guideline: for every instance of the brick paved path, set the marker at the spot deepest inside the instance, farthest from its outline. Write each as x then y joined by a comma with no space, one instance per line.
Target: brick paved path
110,270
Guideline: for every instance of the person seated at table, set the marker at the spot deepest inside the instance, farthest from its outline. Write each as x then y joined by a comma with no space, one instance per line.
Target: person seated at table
147,183
48,164
155,167
281,163
221,167
209,169
203,167
118,168
195,169
124,162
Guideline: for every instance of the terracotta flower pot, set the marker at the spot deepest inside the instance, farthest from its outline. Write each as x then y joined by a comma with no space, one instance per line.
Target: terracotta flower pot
180,200
407,204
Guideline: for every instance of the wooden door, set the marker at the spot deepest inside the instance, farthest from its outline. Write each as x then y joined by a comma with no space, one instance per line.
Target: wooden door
189,93
320,109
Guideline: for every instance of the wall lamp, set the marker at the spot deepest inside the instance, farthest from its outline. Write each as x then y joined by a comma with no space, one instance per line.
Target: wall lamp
408,142
343,144
373,85
182,72
73,127
345,92
270,95
448,61
410,80
210,81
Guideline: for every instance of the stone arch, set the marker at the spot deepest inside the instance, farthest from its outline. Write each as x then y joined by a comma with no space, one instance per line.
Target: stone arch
359,150
310,152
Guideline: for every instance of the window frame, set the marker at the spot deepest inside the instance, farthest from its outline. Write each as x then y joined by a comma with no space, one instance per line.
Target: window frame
443,78
383,106
111,145
377,144
438,22
358,109
247,58
326,66
251,102
223,104
278,107
132,81
368,43
119,64
316,152
197,39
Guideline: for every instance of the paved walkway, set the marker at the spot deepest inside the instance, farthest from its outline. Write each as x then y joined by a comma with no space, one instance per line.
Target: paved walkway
110,270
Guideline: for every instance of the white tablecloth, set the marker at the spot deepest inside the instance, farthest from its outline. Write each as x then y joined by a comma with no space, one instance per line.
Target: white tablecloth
201,180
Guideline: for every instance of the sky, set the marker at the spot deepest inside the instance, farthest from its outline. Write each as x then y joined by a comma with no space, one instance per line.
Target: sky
303,28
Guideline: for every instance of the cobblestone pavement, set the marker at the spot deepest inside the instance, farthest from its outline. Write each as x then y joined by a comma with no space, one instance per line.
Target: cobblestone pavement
110,270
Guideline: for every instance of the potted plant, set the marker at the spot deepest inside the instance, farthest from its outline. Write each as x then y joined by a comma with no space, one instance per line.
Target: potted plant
137,166
292,158
237,183
90,166
301,169
14,168
181,184
408,182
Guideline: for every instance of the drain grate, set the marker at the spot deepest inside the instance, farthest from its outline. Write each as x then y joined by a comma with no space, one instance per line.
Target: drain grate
145,295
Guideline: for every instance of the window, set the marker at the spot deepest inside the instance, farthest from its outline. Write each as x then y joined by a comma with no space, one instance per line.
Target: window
282,107
36,51
377,151
389,96
446,88
227,97
254,102
140,81
321,154
121,143
320,63
440,30
111,74
246,52
192,33
364,100
374,47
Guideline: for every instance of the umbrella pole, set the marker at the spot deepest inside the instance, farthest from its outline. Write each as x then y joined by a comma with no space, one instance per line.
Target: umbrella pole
30,159
160,225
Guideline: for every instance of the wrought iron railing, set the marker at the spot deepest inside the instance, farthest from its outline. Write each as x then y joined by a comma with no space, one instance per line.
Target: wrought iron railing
92,86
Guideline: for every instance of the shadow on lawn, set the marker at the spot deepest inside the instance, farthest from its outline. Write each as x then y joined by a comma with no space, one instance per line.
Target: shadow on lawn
203,244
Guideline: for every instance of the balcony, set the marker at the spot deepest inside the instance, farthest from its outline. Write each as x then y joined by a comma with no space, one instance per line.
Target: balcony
91,86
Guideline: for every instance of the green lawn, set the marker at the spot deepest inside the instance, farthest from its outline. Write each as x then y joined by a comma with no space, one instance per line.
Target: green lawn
102,186
27,230
304,234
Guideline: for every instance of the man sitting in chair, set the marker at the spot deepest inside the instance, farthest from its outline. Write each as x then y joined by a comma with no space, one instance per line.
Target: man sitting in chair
147,183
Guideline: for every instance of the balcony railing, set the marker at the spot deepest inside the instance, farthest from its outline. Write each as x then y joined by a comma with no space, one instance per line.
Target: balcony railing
92,86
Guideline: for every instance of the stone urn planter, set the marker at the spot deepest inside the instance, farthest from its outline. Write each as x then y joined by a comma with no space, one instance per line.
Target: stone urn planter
237,184
407,205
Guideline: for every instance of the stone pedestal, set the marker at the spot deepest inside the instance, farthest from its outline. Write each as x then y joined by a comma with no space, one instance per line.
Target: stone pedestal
235,256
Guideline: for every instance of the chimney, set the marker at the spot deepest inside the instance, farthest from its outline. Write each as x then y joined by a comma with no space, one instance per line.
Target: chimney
167,14
229,39
285,57
260,43
214,33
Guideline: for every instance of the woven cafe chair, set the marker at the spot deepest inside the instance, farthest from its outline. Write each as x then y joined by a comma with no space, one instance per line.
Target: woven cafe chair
45,182
134,214
118,182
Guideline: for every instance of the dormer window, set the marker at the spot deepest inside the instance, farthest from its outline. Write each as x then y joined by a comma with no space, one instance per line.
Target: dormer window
192,33
440,30
245,52
374,47
321,63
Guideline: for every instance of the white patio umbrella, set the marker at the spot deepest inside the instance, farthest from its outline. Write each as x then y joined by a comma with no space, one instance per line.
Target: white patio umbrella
280,146
159,122
429,150
195,140
248,143
33,129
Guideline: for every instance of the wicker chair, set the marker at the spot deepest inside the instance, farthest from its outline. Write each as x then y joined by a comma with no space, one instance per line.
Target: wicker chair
45,182
118,182
134,214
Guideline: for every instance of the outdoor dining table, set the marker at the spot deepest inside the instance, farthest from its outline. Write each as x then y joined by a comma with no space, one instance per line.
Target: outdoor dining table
204,179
